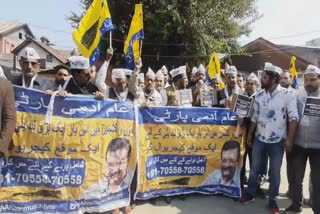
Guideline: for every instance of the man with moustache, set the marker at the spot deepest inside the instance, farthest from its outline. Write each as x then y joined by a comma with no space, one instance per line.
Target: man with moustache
178,83
147,96
62,75
81,81
159,81
251,88
166,77
273,107
285,80
306,146
193,77
224,95
241,82
30,67
228,174
200,85
120,90
117,175
252,85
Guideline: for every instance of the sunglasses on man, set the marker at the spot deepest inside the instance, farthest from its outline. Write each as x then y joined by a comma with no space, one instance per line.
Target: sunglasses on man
27,63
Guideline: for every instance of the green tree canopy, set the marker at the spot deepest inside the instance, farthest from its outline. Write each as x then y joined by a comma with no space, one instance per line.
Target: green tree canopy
182,31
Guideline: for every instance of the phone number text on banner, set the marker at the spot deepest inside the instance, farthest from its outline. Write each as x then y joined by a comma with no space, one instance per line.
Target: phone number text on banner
188,150
82,161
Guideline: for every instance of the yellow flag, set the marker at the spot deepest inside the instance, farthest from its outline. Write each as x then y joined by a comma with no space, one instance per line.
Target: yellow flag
93,25
294,73
214,69
136,33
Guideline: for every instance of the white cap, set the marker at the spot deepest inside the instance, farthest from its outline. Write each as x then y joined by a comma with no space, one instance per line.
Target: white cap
141,76
29,54
118,73
164,70
253,77
311,69
150,73
232,70
159,75
2,73
79,62
128,72
182,70
194,70
269,67
201,69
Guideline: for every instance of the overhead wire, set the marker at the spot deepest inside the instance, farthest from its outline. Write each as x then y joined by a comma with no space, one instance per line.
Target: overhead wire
182,44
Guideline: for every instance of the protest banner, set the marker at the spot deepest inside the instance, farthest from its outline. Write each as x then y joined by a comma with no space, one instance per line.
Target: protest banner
83,160
188,150
312,107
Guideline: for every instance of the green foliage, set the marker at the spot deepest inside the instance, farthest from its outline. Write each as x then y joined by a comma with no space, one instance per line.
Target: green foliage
197,27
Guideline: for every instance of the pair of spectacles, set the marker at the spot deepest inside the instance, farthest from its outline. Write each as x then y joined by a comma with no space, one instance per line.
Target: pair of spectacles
27,63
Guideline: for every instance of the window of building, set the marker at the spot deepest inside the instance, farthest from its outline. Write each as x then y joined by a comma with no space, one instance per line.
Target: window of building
20,35
49,58
42,63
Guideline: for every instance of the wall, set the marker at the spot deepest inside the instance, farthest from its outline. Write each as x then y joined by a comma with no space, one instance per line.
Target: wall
9,42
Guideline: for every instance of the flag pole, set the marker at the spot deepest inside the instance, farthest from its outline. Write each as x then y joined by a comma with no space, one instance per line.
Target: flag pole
110,39
141,42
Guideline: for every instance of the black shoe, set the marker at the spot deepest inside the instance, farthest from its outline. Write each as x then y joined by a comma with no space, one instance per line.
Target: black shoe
307,202
293,209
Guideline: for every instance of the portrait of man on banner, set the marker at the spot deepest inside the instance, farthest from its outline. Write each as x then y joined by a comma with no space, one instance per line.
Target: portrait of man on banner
228,174
117,175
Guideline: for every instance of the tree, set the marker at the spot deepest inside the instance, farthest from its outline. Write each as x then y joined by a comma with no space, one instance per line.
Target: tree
180,31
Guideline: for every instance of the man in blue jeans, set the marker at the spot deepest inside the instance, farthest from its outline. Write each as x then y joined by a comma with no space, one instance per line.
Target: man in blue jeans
273,106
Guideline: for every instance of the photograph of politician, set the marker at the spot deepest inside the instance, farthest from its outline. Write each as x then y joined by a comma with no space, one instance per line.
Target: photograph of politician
117,175
229,173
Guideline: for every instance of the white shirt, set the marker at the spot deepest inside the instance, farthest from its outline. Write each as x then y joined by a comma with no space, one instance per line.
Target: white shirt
101,78
271,113
155,99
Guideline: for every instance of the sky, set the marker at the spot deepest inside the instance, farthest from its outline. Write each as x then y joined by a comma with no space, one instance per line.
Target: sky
296,21
291,22
44,17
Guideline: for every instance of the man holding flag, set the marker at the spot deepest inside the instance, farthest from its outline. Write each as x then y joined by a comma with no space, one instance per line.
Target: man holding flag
94,24
132,46
214,71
